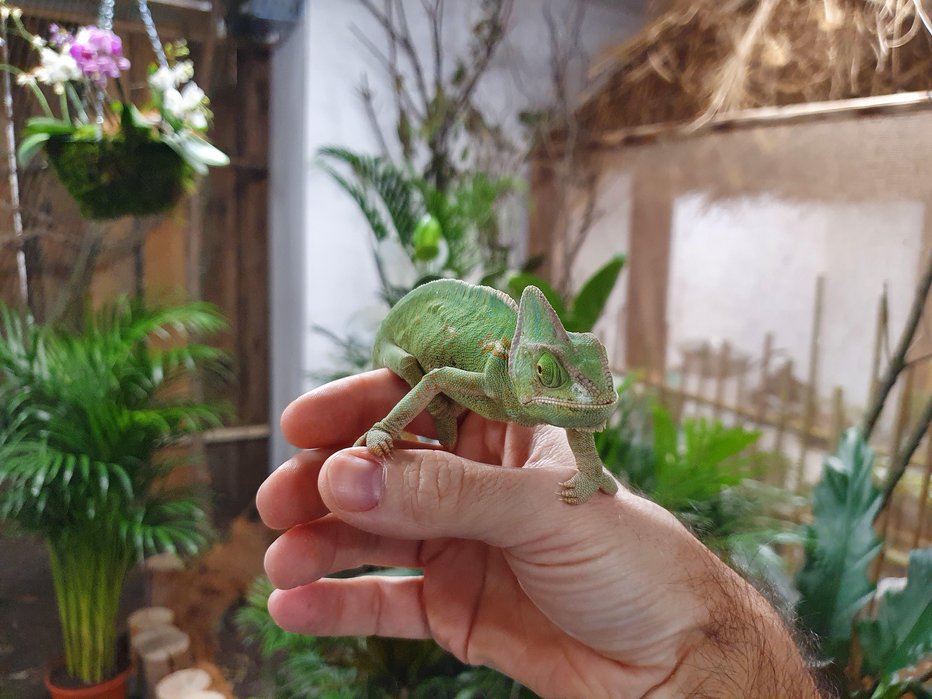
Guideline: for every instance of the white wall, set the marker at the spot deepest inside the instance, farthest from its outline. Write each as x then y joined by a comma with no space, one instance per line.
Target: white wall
743,267
322,271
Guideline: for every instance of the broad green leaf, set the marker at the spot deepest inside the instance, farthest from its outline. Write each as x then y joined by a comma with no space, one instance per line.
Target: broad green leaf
592,297
520,281
30,146
901,633
839,546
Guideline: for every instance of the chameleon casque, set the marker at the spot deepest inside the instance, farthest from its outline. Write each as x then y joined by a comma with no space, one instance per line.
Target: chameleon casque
466,347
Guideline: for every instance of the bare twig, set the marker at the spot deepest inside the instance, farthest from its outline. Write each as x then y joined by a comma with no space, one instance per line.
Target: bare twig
365,93
898,360
393,71
901,461
400,36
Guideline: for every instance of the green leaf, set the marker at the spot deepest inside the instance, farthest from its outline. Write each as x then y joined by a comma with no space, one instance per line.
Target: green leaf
426,239
592,297
30,146
49,126
839,546
901,634
520,281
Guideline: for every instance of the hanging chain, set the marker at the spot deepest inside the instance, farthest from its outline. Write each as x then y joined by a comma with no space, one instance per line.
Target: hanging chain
104,21
151,31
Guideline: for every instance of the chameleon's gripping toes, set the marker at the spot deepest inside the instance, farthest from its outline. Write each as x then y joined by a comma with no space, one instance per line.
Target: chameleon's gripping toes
465,347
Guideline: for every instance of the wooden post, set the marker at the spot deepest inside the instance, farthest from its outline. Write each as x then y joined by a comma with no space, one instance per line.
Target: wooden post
648,273
739,398
810,404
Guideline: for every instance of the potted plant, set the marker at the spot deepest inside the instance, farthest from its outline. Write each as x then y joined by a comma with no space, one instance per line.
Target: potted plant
84,417
113,157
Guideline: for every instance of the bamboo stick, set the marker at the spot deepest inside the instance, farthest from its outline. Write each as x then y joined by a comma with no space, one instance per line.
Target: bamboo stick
704,370
838,414
761,413
783,411
723,357
880,331
923,495
810,406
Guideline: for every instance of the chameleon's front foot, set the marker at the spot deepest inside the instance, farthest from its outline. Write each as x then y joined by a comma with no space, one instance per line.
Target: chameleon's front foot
584,485
377,440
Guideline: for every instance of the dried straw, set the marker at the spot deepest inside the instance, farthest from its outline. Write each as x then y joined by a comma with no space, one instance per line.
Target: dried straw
705,57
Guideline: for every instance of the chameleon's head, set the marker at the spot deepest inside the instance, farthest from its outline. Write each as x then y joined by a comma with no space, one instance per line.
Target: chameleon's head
560,378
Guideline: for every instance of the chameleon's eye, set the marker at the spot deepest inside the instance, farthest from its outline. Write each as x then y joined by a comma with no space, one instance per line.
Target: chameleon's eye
549,371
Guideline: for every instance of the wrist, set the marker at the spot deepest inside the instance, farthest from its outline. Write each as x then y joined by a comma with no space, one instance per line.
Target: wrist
741,647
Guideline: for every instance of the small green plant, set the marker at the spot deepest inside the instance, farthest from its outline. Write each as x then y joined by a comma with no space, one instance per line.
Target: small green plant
840,545
306,666
83,417
440,233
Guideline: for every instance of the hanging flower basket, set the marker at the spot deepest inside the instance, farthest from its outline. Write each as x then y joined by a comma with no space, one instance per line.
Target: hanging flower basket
123,161
127,175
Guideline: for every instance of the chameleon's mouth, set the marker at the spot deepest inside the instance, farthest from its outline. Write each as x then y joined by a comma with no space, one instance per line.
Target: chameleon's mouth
561,403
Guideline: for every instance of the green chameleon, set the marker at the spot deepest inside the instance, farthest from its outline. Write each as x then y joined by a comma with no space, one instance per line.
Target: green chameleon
466,347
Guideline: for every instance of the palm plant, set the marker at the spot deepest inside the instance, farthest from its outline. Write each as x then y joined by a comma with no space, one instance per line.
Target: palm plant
84,416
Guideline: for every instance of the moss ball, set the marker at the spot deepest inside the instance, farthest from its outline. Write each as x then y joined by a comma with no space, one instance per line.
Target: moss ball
120,177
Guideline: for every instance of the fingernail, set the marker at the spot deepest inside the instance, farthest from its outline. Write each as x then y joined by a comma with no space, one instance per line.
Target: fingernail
355,482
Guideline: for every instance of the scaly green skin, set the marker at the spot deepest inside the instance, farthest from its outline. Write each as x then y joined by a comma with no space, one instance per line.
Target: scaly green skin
465,347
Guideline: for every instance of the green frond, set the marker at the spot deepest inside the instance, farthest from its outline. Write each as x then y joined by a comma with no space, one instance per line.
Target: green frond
384,193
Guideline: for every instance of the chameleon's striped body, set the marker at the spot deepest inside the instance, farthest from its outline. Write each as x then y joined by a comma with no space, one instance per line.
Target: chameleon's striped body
463,347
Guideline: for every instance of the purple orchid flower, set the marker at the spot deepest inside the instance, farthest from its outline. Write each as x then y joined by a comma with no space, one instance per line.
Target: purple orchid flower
99,54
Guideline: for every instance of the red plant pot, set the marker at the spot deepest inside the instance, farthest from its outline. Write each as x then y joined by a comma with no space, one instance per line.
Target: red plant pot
114,688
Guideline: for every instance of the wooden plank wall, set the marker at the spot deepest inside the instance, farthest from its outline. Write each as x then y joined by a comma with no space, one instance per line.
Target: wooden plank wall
213,245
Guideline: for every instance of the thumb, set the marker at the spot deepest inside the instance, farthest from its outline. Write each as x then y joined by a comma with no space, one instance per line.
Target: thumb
429,493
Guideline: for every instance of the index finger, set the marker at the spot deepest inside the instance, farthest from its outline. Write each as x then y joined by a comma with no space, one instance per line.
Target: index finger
338,413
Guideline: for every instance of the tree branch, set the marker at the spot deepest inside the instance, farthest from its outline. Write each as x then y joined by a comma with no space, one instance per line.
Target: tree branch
902,459
400,36
898,361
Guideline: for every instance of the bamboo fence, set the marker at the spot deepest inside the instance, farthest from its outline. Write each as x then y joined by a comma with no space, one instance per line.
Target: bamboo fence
801,421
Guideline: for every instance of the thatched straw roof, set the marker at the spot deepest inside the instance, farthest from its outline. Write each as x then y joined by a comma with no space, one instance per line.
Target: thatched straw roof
705,57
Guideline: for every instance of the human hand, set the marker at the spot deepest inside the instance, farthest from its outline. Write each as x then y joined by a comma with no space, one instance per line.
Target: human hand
610,598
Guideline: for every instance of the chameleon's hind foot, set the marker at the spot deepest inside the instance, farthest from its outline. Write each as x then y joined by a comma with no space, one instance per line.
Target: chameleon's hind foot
377,441
584,485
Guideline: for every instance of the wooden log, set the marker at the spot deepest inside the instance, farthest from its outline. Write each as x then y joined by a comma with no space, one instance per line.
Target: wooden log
148,618
182,684
161,651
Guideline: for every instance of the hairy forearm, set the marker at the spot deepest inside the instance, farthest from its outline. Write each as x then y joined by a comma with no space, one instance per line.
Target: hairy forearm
743,648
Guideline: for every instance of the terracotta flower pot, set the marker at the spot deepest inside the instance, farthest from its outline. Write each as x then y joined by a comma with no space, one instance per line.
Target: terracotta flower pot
114,688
